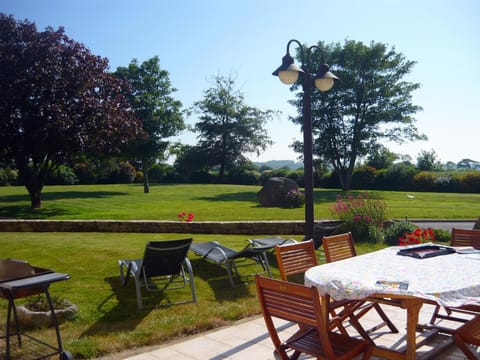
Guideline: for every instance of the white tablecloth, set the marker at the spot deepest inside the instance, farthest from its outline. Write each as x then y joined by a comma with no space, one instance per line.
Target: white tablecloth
451,280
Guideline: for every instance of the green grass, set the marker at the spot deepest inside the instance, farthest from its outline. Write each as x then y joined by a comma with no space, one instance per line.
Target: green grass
108,319
211,202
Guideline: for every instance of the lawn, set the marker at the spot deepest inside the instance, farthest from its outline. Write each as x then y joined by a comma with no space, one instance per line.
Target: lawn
212,202
108,320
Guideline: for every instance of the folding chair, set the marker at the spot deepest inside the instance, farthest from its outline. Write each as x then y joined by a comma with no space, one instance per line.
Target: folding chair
301,305
465,237
469,333
162,268
232,259
340,247
295,259
459,237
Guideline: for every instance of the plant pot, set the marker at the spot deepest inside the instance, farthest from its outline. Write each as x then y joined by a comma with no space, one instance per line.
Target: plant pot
36,319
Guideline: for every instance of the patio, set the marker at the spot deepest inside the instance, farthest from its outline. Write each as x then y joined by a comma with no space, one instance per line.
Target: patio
249,339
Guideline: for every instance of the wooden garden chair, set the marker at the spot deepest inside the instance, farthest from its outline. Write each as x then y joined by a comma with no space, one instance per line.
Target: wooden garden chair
301,305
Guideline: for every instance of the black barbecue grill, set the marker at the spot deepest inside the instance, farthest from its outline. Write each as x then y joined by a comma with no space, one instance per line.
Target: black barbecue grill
19,279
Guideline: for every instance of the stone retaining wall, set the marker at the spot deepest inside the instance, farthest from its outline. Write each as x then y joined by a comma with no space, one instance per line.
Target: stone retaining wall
140,226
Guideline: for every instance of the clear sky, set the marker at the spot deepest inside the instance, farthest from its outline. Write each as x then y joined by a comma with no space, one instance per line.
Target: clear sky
198,39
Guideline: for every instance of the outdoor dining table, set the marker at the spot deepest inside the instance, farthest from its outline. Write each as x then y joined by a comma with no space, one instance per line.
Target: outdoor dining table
451,280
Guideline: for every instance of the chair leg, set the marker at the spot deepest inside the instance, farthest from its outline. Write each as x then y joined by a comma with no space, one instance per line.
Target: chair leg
265,264
191,280
139,292
385,318
228,265
461,344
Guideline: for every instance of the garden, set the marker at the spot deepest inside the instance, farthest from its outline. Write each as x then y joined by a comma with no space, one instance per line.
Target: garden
108,320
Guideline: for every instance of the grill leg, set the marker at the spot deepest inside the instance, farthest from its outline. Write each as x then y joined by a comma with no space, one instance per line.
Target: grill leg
11,308
54,320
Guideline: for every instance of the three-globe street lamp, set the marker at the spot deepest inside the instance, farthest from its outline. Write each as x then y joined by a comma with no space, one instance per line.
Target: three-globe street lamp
289,73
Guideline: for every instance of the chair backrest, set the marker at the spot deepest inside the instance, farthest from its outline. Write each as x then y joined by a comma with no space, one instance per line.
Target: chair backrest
465,237
295,258
338,247
291,302
165,257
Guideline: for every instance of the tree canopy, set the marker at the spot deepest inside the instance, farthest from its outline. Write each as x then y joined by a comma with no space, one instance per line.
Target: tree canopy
57,101
227,127
150,97
371,102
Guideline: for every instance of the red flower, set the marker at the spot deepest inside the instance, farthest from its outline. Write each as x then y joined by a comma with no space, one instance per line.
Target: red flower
418,236
182,216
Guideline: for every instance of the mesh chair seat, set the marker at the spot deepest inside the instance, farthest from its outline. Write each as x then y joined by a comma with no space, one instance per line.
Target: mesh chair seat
232,259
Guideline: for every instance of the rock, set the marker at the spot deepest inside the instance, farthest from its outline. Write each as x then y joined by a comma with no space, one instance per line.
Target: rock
273,192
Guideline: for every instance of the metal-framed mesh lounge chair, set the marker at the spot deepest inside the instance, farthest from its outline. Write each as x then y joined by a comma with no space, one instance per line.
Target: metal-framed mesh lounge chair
271,241
232,259
164,266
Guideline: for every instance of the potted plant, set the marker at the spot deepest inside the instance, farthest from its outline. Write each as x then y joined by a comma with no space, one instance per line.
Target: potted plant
36,311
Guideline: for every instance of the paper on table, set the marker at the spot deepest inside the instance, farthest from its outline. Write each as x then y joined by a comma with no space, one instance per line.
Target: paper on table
467,250
401,285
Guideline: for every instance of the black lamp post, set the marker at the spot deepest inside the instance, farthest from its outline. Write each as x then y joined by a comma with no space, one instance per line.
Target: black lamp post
289,73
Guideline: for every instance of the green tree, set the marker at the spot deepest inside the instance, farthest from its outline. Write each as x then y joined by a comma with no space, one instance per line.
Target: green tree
370,103
428,161
227,127
57,101
381,158
150,97
467,164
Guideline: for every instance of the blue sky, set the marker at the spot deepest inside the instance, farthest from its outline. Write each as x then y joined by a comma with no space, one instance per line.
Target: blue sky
196,40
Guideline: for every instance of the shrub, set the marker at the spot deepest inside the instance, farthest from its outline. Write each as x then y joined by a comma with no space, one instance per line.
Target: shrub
442,235
417,236
63,175
139,178
3,178
243,177
297,176
8,176
294,199
363,177
362,216
424,181
393,233
467,182
264,176
85,173
124,173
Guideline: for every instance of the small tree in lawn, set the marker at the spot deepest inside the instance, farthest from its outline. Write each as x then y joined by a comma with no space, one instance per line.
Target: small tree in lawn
57,101
150,97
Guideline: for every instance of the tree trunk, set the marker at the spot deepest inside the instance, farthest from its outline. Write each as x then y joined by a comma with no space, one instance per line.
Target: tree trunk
146,184
221,172
35,190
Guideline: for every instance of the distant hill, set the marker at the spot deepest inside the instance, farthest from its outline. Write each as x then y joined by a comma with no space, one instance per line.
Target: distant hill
277,164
